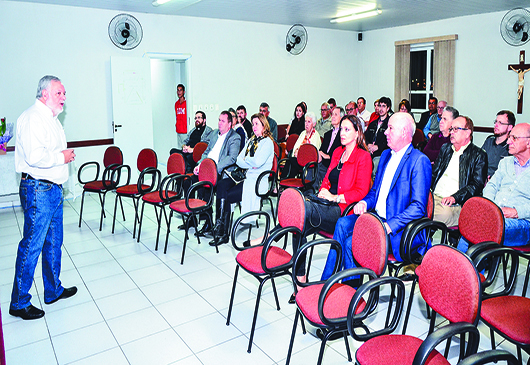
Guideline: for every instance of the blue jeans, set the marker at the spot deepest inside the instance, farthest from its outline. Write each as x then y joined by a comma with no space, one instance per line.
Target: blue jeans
343,234
516,233
43,232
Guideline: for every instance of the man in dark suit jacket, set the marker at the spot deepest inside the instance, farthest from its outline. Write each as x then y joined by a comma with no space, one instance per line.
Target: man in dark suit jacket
400,192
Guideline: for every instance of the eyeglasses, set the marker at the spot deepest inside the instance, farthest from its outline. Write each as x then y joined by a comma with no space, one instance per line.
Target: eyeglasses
349,109
456,129
325,110
499,122
515,138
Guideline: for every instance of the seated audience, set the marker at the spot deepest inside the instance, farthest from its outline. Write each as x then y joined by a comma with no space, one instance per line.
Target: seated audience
374,115
496,146
432,149
375,133
256,157
425,116
238,128
351,109
200,133
363,114
308,136
324,123
459,172
297,125
398,196
332,104
508,188
404,107
329,144
433,124
242,119
264,109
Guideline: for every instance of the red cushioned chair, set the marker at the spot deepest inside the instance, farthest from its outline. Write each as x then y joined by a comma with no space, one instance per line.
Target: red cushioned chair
198,150
413,257
308,158
109,180
270,175
190,208
418,140
282,132
270,260
165,193
450,285
505,314
291,141
325,304
490,357
149,178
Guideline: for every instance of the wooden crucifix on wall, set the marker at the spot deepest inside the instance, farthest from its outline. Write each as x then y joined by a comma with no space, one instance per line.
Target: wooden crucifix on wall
521,68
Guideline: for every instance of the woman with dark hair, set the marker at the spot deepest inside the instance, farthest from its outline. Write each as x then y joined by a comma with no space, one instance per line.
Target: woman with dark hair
297,125
404,106
256,157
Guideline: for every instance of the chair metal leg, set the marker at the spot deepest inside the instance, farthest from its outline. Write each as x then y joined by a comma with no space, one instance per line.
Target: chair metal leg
232,296
275,294
254,320
159,222
347,346
114,216
525,285
140,222
187,227
409,305
81,211
289,352
135,204
122,211
168,230
102,215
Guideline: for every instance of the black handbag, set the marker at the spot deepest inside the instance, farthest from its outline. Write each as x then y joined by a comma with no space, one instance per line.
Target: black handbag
238,175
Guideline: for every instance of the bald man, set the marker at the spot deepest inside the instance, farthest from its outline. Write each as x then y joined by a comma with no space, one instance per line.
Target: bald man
398,196
508,188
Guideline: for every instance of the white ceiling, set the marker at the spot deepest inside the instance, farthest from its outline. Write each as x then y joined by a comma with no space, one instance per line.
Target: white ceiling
311,13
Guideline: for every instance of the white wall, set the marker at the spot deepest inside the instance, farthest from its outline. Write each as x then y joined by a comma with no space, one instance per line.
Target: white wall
232,63
483,84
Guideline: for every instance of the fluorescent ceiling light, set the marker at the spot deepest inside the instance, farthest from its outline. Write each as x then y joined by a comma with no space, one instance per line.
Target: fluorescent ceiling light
355,16
160,2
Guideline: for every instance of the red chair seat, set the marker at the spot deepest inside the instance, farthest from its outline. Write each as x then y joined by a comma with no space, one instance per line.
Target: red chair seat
335,306
250,259
154,196
392,258
180,205
325,234
96,185
510,315
395,350
521,248
131,189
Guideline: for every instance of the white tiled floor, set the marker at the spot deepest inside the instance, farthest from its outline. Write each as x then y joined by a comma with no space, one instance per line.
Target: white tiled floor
136,305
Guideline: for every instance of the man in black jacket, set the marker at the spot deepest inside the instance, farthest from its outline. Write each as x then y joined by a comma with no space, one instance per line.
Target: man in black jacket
329,144
459,172
375,132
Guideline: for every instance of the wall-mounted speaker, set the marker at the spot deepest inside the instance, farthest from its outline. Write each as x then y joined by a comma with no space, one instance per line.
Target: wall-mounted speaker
360,37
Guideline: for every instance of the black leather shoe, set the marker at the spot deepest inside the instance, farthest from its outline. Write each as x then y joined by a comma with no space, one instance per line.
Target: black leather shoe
67,293
217,241
333,337
30,312
292,299
205,230
181,227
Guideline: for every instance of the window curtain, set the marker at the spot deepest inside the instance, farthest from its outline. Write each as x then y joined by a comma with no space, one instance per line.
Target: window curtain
402,74
444,70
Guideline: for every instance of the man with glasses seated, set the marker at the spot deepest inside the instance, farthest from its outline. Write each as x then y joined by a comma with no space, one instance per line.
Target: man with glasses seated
459,172
433,125
352,109
496,146
324,123
508,188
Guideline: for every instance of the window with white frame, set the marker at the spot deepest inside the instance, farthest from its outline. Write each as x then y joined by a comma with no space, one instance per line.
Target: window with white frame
421,75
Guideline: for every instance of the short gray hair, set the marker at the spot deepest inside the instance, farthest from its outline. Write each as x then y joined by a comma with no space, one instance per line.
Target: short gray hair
311,115
453,111
44,84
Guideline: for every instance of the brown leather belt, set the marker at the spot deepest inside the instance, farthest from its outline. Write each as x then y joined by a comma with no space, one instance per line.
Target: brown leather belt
29,177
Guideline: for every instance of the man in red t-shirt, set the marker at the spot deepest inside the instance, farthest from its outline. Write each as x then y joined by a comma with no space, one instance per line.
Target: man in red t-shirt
180,111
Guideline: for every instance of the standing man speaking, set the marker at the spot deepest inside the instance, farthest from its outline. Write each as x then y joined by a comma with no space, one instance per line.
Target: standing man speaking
42,158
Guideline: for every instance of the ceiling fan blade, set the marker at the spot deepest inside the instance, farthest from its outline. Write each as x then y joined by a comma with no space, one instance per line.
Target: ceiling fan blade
124,42
127,26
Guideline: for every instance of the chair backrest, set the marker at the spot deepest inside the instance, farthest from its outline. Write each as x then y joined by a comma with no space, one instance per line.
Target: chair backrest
450,284
307,153
113,155
275,164
198,150
291,140
291,209
208,171
146,158
481,220
276,150
430,205
176,164
282,131
418,137
370,243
